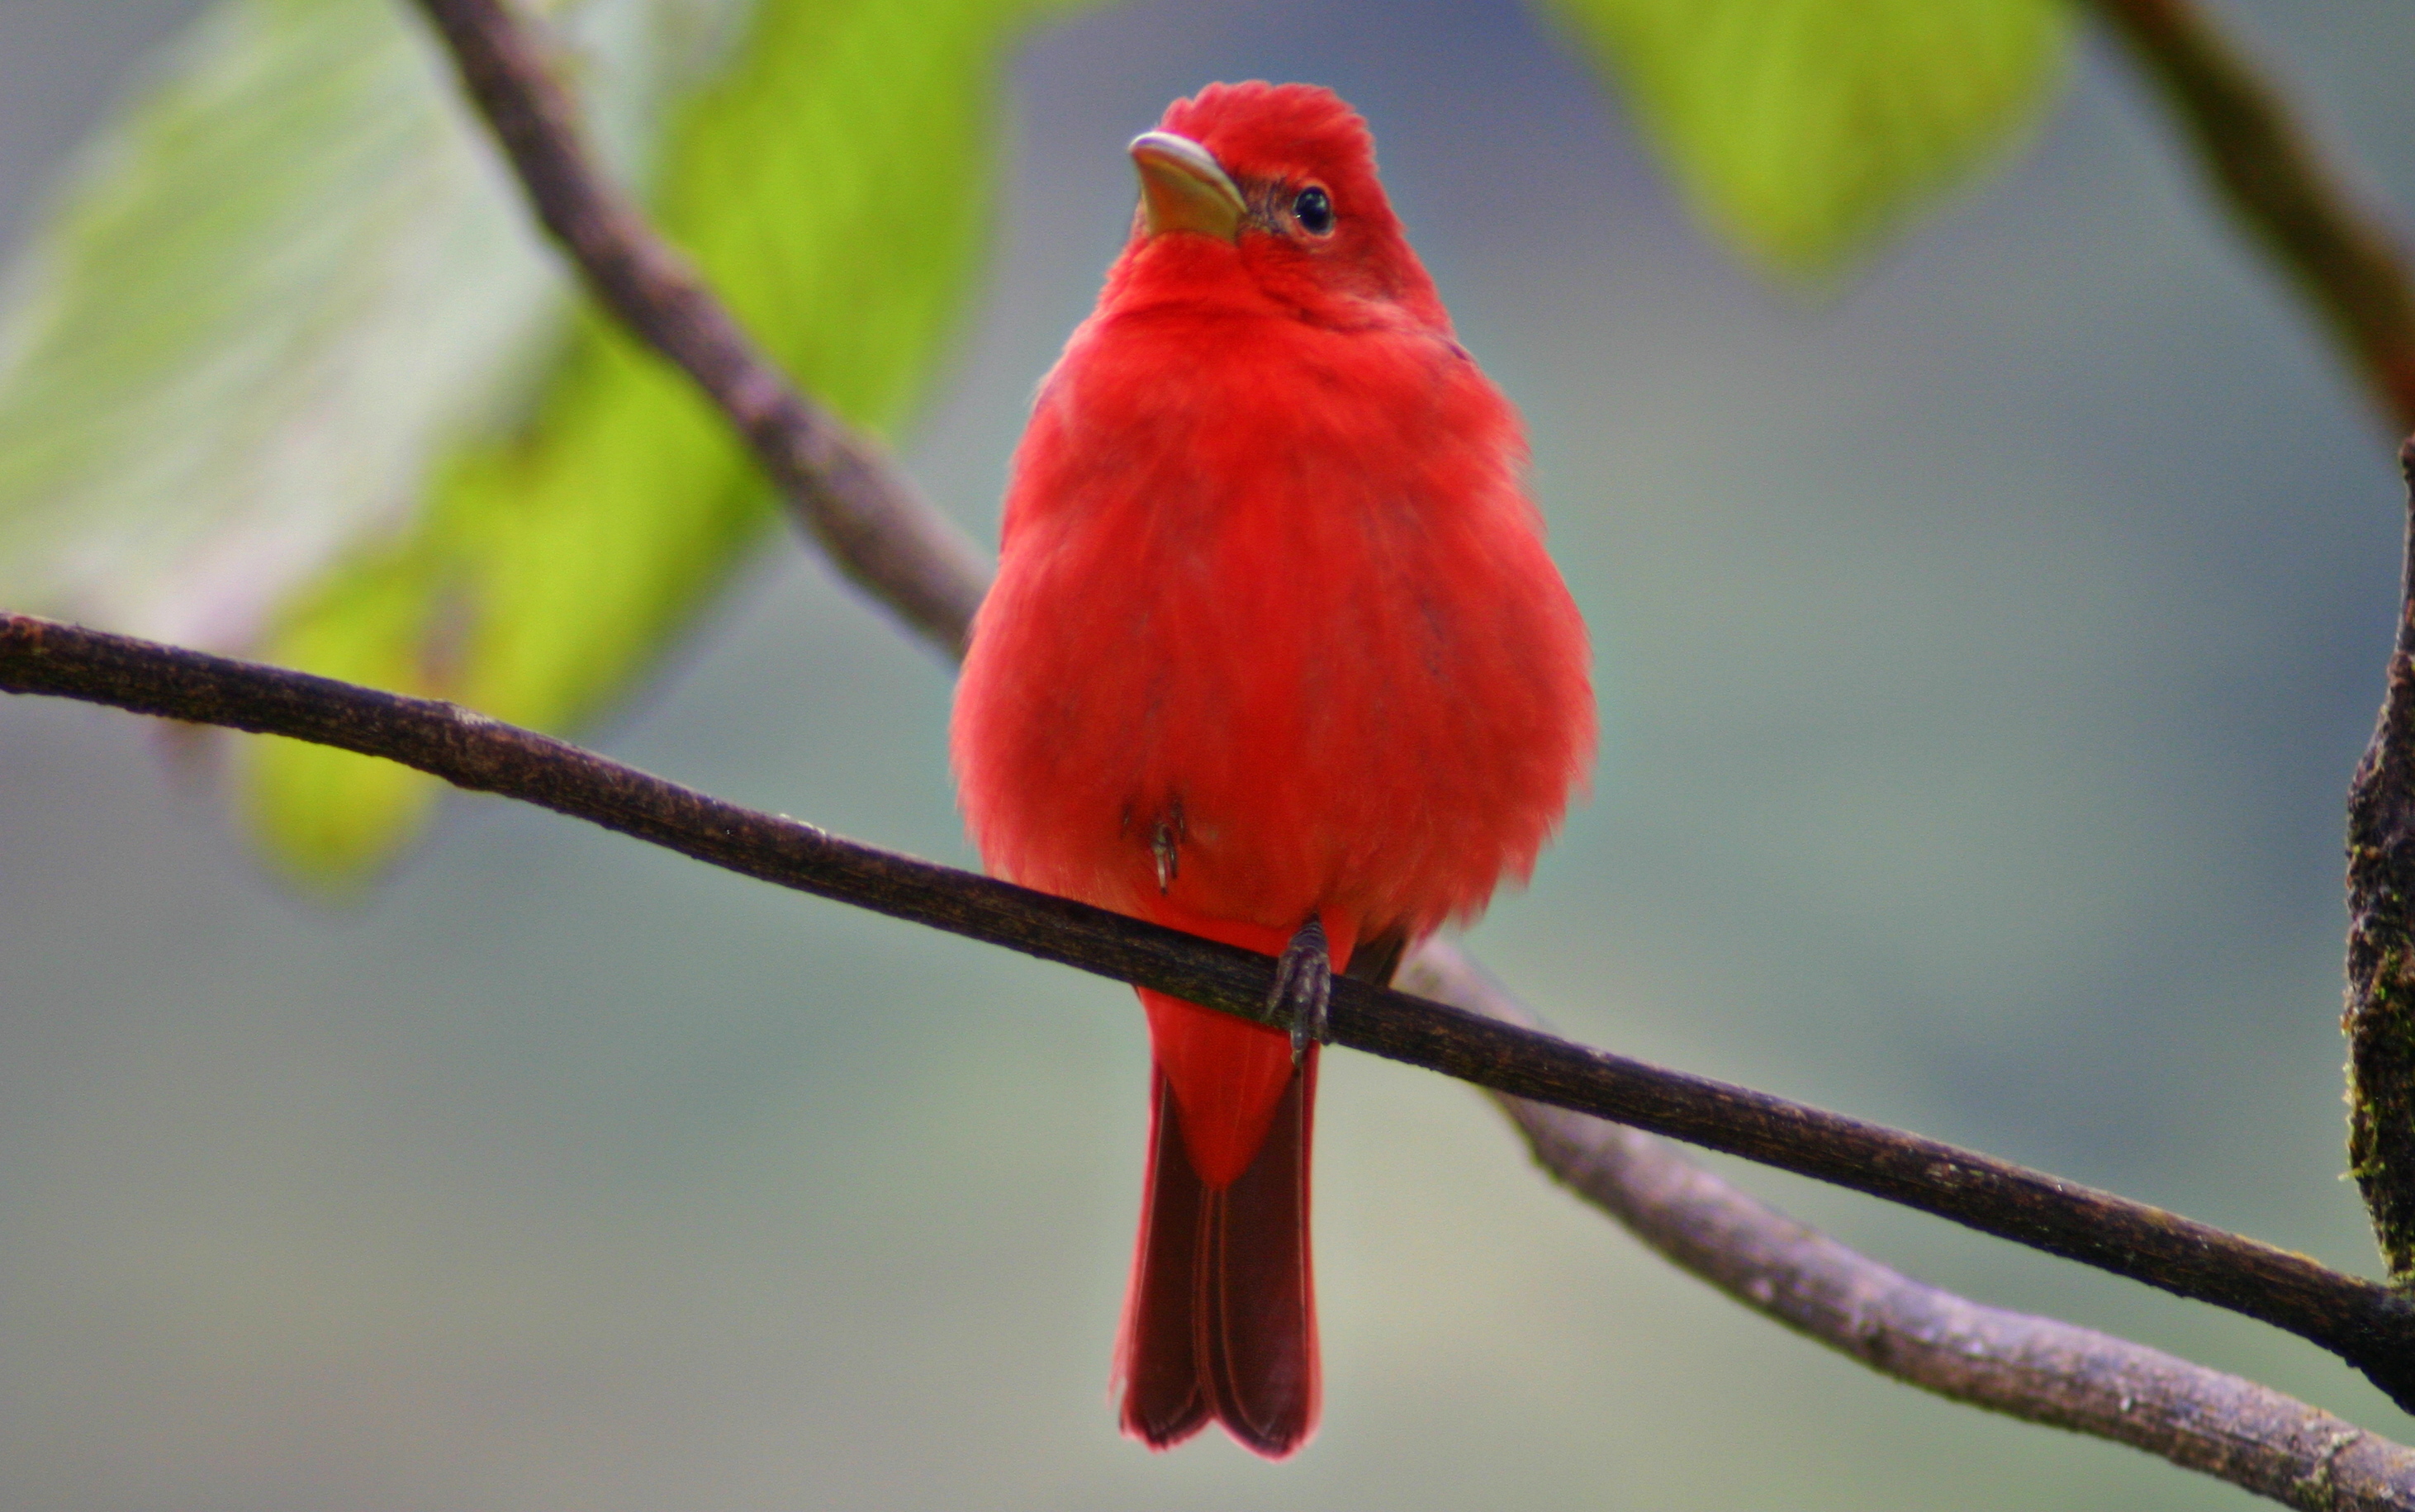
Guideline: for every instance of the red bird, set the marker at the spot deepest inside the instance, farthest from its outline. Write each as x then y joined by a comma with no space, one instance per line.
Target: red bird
1275,656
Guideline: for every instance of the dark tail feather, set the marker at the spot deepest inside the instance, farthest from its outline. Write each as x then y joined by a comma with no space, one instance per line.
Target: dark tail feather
1222,1319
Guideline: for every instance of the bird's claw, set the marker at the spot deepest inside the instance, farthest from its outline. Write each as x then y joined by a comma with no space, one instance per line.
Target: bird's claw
1304,986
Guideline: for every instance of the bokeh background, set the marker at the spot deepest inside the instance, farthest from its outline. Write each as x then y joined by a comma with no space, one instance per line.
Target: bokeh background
1984,650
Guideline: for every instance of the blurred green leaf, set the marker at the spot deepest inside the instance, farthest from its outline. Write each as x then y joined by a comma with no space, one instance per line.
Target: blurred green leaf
834,186
274,280
1805,129
288,272
287,369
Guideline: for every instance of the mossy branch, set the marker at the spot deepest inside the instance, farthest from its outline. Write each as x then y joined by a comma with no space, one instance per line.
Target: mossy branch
863,512
2380,1017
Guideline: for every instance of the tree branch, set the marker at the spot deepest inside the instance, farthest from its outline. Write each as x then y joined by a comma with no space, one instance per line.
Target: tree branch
842,486
2381,945
2348,266
2342,258
906,554
2035,1369
2365,1323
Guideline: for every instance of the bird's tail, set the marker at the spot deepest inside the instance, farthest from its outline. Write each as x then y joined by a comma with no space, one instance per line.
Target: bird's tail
1220,1321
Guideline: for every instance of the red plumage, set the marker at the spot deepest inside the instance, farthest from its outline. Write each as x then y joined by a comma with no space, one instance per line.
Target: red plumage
1274,635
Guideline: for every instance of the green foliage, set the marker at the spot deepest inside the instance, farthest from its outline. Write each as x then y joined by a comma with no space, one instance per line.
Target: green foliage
278,276
1805,129
284,278
834,186
287,369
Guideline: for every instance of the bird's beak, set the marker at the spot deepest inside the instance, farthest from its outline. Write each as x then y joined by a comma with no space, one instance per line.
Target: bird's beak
1183,188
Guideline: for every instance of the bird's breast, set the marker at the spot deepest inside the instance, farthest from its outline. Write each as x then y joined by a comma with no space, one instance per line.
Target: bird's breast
1270,635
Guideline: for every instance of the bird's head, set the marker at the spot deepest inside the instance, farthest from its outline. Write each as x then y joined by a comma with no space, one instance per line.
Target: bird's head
1275,183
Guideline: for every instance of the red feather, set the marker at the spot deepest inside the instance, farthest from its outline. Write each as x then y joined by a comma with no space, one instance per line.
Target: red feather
1274,635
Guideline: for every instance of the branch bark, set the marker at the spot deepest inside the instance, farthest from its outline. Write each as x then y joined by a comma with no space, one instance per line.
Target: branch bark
843,487
2039,1370
2347,263
858,506
2380,1017
2365,1323
2263,164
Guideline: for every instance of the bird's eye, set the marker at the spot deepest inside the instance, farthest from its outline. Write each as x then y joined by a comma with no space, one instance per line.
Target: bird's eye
1314,210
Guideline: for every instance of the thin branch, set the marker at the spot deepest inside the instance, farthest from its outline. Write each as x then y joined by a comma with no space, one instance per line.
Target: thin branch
908,556
842,485
2037,1368
2365,1323
2343,257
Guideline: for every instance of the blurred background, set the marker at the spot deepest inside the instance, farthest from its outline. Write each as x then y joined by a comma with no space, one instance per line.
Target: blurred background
1983,652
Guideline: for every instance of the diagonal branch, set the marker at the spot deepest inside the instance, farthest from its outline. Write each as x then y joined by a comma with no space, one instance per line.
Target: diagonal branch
2037,1368
906,556
843,486
2365,1323
2344,258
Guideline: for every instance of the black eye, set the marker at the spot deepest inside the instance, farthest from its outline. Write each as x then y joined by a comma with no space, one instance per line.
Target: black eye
1313,211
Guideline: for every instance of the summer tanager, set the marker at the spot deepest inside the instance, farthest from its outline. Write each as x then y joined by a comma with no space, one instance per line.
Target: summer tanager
1275,656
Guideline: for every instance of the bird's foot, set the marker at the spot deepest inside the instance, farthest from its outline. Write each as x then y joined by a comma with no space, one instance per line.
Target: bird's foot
1304,986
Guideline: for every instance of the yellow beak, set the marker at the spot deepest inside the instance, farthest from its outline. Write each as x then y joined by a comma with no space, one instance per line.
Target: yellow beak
1183,188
